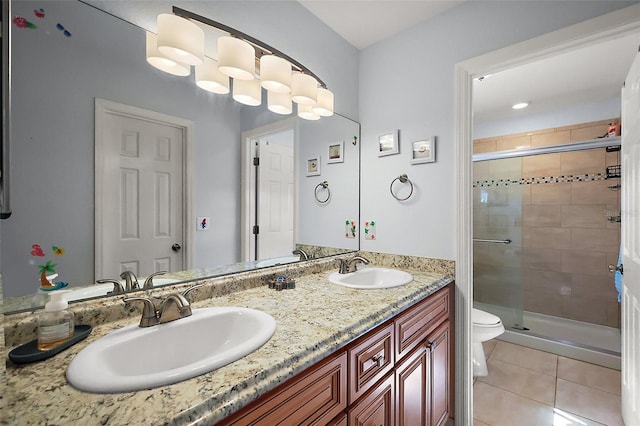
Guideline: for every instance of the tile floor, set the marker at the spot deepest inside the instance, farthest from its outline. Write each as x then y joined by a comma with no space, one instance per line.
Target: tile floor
527,387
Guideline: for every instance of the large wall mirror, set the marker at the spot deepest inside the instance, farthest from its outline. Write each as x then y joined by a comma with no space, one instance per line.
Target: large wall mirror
72,62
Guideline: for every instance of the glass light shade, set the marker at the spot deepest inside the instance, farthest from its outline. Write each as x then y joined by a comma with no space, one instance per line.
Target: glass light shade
209,78
280,103
304,89
180,39
324,107
275,74
158,60
248,92
236,58
304,111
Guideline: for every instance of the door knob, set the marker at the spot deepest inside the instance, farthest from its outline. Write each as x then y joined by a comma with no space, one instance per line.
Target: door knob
176,247
616,268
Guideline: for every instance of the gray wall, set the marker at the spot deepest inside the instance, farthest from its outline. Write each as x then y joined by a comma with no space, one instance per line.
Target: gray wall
407,83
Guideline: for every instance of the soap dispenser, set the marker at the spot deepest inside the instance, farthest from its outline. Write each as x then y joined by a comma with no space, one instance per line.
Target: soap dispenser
55,323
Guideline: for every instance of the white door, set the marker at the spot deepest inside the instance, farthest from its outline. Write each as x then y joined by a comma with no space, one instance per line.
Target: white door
631,246
139,216
275,200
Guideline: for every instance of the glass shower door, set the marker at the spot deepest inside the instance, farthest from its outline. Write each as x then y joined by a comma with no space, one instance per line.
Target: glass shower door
498,272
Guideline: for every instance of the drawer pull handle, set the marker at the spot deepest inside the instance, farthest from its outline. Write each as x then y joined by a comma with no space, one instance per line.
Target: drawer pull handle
431,346
378,359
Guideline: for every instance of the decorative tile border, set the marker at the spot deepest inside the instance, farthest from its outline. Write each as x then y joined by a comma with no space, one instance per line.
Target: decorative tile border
588,177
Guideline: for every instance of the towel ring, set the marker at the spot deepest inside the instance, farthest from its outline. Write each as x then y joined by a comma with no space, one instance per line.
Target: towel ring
403,179
324,185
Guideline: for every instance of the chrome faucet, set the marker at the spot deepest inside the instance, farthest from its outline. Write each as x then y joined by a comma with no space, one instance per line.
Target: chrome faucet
148,283
347,266
173,307
131,282
117,286
303,254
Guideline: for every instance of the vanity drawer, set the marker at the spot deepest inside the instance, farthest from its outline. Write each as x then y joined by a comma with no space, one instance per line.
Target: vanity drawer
315,397
413,325
370,358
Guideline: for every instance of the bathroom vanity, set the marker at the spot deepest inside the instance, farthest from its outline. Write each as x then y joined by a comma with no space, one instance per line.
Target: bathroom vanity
338,356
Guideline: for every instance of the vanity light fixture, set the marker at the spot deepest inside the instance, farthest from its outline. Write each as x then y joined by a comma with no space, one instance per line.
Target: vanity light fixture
252,64
280,103
520,105
180,39
209,78
305,111
247,92
236,58
158,60
275,74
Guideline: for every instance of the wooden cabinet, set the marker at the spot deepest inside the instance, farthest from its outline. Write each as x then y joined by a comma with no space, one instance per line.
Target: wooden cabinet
313,398
399,373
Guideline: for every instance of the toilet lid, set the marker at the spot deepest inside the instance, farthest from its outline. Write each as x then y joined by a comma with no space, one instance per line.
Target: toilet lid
484,318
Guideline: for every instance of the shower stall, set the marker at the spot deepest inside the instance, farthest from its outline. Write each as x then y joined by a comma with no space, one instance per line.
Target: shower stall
546,227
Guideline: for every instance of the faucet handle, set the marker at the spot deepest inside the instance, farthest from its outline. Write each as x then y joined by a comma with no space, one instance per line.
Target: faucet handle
190,289
148,283
149,312
174,307
117,286
130,279
344,266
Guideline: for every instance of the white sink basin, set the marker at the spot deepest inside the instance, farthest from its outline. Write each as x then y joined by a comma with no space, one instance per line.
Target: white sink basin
277,261
372,278
135,358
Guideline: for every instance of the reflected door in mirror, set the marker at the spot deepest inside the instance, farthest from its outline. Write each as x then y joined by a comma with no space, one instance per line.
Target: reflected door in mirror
141,176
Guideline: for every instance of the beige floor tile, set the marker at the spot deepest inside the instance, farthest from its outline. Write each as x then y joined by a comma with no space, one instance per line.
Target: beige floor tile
477,422
542,362
489,346
522,381
591,403
565,418
594,376
498,407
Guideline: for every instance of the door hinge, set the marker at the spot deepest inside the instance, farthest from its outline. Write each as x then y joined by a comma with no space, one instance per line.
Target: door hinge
256,161
256,229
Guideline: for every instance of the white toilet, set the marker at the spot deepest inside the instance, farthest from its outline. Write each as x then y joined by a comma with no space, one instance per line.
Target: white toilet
486,326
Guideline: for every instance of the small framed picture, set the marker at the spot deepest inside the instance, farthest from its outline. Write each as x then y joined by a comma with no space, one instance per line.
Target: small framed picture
313,166
388,144
423,151
336,152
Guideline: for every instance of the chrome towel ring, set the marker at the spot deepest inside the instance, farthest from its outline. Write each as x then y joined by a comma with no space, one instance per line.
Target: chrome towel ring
324,185
403,179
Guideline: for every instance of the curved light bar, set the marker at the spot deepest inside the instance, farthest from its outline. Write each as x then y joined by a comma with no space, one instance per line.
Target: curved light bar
180,39
236,58
158,60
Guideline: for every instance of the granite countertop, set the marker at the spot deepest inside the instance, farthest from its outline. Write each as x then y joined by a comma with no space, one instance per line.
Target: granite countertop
313,320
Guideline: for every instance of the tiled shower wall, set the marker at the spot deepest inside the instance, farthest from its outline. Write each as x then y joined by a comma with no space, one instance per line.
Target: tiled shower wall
555,208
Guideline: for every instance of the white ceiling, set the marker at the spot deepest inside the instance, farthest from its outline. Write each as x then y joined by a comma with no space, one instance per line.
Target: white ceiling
365,22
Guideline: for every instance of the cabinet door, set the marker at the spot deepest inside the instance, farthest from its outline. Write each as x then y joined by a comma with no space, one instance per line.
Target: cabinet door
439,344
376,408
413,389
314,398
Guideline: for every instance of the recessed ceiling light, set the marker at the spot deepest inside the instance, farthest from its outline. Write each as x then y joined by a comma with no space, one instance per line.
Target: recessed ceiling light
520,105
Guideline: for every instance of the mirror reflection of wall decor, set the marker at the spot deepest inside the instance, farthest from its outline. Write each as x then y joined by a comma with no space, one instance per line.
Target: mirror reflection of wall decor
423,151
336,152
388,144
313,166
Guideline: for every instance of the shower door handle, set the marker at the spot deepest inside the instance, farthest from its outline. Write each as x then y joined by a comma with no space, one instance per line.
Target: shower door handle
616,268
